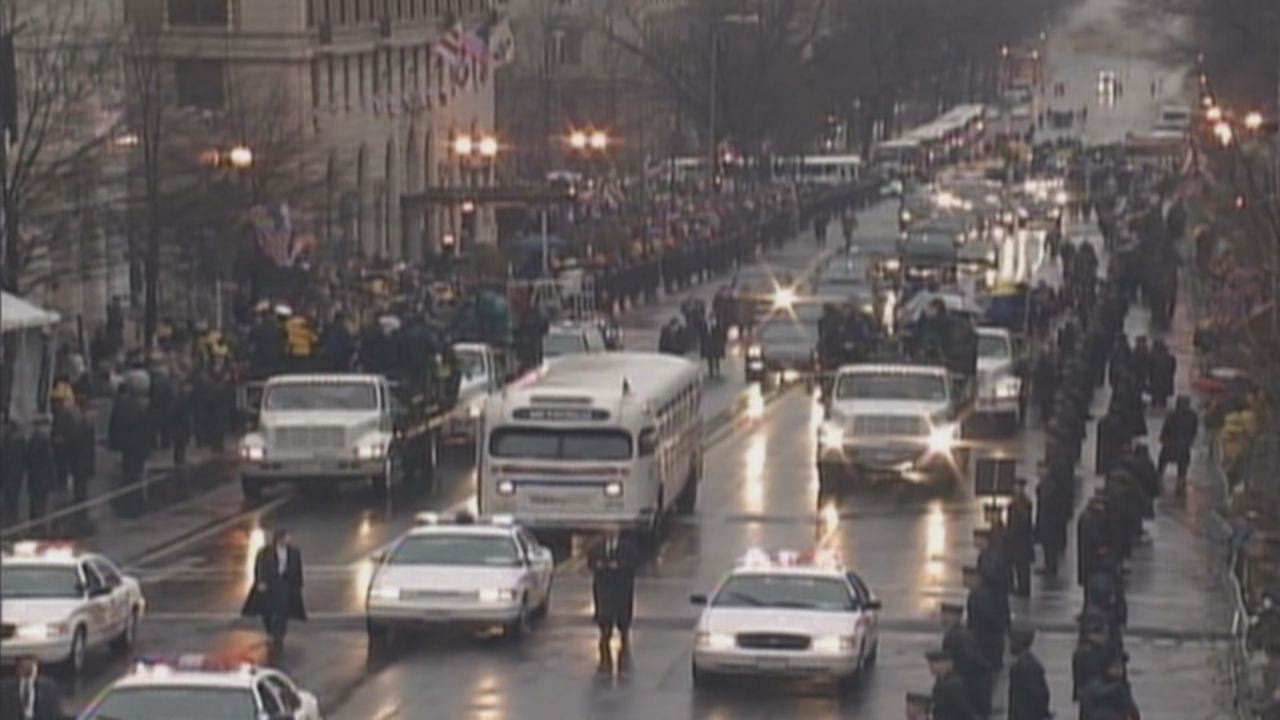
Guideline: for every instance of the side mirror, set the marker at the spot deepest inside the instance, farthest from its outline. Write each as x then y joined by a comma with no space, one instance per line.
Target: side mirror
542,554
873,605
699,600
99,591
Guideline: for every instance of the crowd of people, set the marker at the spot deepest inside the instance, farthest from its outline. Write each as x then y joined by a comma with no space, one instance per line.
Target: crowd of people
1083,346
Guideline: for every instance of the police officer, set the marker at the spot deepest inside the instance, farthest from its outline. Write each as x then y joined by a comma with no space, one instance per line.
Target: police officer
949,698
967,656
1020,538
1028,690
987,610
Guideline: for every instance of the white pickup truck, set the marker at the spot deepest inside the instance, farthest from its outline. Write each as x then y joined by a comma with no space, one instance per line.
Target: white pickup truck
322,427
482,375
999,391
896,420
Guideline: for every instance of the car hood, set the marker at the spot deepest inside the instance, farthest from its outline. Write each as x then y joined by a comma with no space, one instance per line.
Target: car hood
24,611
447,577
311,418
849,408
773,620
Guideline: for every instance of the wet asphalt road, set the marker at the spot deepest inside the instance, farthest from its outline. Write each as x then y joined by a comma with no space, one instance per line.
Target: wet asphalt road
760,490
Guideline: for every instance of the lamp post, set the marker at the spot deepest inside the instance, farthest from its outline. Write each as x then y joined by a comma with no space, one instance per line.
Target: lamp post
713,91
473,150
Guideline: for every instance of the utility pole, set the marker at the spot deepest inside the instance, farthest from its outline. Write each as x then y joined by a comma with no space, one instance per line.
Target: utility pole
8,133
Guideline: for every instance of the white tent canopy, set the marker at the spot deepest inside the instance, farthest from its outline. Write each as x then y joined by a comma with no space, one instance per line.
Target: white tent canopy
18,314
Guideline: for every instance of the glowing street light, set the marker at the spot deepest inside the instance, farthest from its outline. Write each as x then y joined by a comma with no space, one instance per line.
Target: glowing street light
1223,132
599,140
1213,114
1253,121
578,140
489,146
240,157
463,145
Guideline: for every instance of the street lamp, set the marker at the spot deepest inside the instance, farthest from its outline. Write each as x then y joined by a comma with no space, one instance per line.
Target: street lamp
578,140
488,146
1224,133
599,140
463,145
1213,114
1253,121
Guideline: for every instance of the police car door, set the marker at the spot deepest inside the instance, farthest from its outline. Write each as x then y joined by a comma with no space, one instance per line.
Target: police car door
541,563
118,597
97,604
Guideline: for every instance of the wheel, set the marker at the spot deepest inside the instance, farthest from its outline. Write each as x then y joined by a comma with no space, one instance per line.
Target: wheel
688,500
251,488
74,664
380,635
874,655
519,628
701,678
128,636
849,683
543,609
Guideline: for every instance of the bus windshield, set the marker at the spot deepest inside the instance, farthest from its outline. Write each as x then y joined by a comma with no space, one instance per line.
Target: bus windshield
567,444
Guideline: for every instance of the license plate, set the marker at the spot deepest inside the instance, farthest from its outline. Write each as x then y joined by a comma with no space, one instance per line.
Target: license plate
550,500
771,664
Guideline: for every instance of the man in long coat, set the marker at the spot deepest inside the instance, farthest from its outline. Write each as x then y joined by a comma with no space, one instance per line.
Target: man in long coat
276,595
613,563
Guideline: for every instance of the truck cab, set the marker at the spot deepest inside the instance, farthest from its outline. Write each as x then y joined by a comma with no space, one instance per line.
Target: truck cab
890,419
999,386
483,374
322,427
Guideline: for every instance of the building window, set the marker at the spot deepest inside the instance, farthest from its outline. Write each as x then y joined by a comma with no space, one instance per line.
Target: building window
436,9
346,81
315,83
200,84
342,12
310,10
373,71
356,9
330,66
399,9
360,76
198,12
403,75
564,47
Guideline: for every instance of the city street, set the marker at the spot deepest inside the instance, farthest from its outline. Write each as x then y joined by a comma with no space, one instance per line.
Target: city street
195,557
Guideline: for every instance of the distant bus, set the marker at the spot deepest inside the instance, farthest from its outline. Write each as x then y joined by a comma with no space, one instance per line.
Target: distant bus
819,169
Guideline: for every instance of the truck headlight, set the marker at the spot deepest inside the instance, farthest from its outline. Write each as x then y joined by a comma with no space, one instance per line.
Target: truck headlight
830,435
714,640
385,592
942,438
834,644
497,595
613,489
475,409
784,298
755,352
371,450
41,631
252,452
506,487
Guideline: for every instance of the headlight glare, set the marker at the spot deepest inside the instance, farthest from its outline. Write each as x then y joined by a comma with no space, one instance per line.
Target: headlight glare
385,592
497,595
942,438
371,450
253,452
714,640
833,644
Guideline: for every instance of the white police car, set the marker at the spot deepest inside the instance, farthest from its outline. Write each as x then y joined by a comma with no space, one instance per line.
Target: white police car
791,615
462,572
59,603
194,687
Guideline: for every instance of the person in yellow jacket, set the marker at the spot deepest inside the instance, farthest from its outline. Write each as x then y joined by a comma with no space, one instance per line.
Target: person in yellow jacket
301,338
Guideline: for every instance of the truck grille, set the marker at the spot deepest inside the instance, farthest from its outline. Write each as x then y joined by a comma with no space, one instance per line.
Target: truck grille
7,631
437,595
773,641
309,438
899,425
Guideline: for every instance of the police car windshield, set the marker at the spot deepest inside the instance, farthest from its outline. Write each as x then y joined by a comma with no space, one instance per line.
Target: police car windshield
39,581
321,396
563,343
798,592
174,701
993,346
445,549
891,386
532,444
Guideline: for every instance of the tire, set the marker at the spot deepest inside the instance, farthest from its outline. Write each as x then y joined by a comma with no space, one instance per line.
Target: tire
688,500
873,656
380,636
519,628
78,654
251,488
124,642
702,679
543,609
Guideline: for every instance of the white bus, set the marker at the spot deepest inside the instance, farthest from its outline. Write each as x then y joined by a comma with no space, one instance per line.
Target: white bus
594,441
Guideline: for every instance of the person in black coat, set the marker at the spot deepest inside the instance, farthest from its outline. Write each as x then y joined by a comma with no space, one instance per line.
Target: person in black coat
613,562
1020,538
13,469
949,696
28,695
1177,435
1108,695
39,462
1111,441
129,433
1091,535
1044,384
1140,363
1089,660
967,656
1163,368
180,421
1028,690
987,610
276,595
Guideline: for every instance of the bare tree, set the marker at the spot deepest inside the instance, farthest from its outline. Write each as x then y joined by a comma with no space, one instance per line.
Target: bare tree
65,59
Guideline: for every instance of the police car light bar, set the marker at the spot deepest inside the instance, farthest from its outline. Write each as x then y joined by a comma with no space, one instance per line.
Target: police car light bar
502,520
192,662
59,549
426,518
